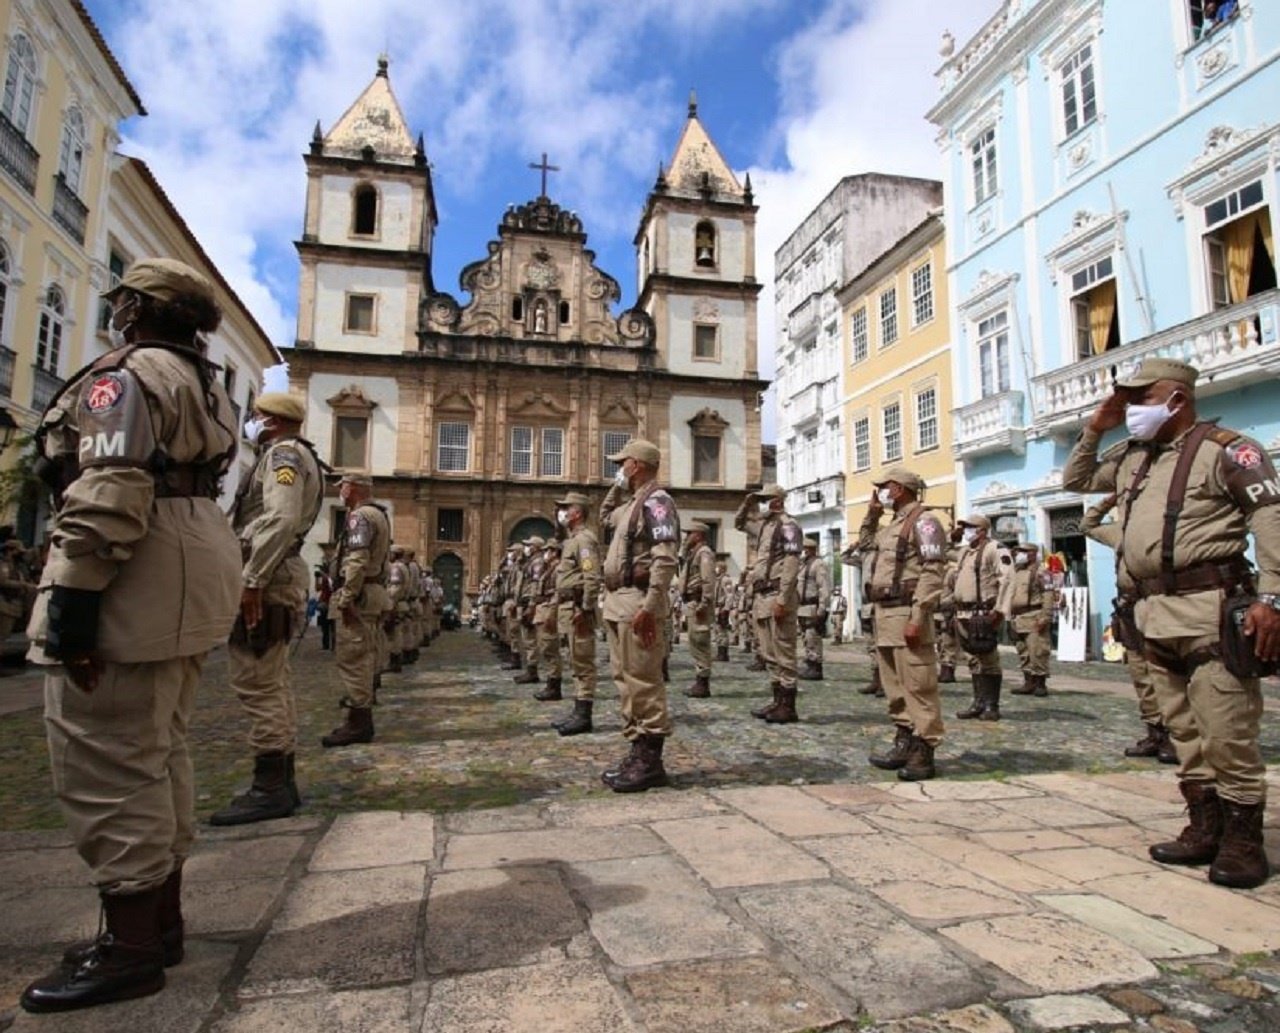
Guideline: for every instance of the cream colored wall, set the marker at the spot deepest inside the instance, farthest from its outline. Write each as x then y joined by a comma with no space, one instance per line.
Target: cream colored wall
733,447
395,211
731,317
382,424
731,244
920,357
334,282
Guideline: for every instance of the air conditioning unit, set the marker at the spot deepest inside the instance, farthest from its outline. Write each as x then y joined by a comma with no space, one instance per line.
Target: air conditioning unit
816,496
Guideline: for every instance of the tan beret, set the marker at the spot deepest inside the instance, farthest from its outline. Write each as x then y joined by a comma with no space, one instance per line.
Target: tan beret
166,279
1153,370
640,450
901,475
278,403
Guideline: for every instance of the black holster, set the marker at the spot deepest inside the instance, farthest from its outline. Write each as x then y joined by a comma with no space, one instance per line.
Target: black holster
980,634
1238,655
276,626
1124,627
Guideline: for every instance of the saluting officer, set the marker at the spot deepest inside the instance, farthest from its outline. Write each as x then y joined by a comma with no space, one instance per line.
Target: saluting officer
1189,492
1028,607
815,603
274,510
778,546
643,535
980,571
142,580
904,585
361,599
697,587
577,588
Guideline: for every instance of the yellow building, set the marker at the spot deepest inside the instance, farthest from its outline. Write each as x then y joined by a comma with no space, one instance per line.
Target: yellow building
64,97
896,386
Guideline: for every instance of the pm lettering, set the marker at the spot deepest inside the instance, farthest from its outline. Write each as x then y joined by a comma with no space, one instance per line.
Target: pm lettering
1256,491
101,445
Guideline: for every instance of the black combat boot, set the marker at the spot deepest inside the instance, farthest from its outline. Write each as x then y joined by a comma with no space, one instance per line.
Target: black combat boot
757,663
126,961
897,755
358,728
947,674
1198,842
762,712
550,691
1149,744
785,712
614,770
810,671
873,687
666,670
1039,688
919,762
579,721
976,708
291,775
991,698
393,664
267,798
512,661
701,687
646,771
170,921
1027,687
528,677
1167,753
1242,859
722,653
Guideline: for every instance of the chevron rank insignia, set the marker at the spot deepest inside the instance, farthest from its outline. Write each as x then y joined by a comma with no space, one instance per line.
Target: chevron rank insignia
286,476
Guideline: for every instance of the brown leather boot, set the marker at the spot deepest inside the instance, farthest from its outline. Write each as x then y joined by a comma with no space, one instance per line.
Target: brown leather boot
873,688
1198,842
1148,745
919,763
1040,688
897,755
722,653
1242,859
169,918
946,674
701,687
762,712
785,712
126,961
528,677
358,728
979,704
1027,687
550,691
610,773
645,771
579,721
266,799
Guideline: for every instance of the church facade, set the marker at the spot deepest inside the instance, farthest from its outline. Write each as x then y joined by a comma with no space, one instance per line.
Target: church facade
474,411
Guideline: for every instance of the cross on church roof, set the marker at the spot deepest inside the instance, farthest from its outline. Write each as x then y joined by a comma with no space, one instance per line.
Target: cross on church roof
545,169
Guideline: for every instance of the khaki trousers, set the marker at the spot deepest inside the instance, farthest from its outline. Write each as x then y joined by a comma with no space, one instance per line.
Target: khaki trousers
637,672
1144,688
122,768
812,642
720,634
265,690
910,680
582,652
1033,652
837,628
776,640
700,641
529,644
948,648
359,654
549,647
1213,718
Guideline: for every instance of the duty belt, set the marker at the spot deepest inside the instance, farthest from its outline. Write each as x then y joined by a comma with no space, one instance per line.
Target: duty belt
1018,611
885,595
766,587
187,480
1198,577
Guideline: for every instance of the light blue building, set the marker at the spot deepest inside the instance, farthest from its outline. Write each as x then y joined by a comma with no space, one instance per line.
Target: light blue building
1111,193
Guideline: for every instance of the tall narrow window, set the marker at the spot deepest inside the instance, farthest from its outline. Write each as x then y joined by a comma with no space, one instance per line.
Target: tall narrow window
365,221
552,452
706,459
564,313
927,420
888,317
858,334
1094,310
454,447
892,432
517,309
993,353
705,342
71,154
449,525
19,84
49,336
704,245
922,294
521,451
350,442
116,264
982,155
1079,92
7,355
862,443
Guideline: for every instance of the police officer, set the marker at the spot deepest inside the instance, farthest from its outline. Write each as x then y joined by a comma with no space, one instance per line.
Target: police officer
763,517
361,601
274,510
577,588
15,590
546,618
839,611
394,625
1189,492
643,535
142,580
815,604
722,604
510,613
530,567
904,585
1028,606
944,617
980,571
697,587
865,562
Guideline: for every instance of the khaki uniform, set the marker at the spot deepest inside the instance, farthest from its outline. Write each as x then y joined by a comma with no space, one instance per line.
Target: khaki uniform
901,594
1027,604
274,510
980,571
362,569
529,572
638,570
14,592
722,604
546,617
944,616
162,555
779,542
839,612
1212,716
417,617
697,587
395,628
577,588
815,603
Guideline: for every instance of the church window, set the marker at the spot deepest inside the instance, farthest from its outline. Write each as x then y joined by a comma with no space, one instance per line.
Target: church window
517,308
360,313
365,210
706,341
449,525
350,442
537,452
704,243
564,313
706,459
19,84
454,448
552,452
611,443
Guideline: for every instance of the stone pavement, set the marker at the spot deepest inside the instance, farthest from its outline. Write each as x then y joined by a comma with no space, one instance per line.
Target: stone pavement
942,907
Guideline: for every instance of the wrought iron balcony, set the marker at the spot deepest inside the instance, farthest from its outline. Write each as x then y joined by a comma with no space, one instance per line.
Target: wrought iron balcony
7,359
17,156
44,386
992,424
1231,347
69,211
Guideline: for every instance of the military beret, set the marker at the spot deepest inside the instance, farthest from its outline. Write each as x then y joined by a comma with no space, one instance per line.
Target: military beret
397,550
574,498
278,403
640,450
975,520
901,475
697,525
536,542
360,480
166,279
810,540
772,491
1153,370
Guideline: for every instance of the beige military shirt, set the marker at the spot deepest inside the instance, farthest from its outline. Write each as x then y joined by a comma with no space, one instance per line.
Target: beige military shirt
980,569
398,585
652,553
698,578
1025,599
363,563
779,544
1232,490
922,565
578,573
814,587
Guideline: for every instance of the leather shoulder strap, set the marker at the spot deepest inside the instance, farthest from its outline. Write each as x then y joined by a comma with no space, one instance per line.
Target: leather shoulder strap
1177,498
902,544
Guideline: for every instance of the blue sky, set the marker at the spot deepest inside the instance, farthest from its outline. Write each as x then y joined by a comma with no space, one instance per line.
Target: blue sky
798,92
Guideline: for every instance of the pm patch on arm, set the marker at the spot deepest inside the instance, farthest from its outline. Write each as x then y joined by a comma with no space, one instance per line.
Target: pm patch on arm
792,540
115,423
1249,476
661,518
359,531
931,538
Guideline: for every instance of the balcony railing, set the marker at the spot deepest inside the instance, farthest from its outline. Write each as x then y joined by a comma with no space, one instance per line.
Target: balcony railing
17,156
69,211
7,359
1230,347
993,424
43,388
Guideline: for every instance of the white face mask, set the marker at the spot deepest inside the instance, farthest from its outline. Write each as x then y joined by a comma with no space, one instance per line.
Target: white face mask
764,508
620,478
1022,559
527,551
1144,421
970,535
253,429
562,517
885,496
117,334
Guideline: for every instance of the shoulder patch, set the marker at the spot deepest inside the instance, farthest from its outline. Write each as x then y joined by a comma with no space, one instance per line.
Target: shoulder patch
286,475
104,392
1244,454
359,531
931,538
285,456
661,518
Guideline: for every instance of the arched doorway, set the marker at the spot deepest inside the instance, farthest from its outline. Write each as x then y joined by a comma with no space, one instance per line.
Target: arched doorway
529,527
448,568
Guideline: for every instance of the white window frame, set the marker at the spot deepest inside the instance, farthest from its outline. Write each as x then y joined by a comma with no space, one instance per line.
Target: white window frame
552,455
889,317
997,326
443,429
18,100
984,166
71,150
1077,75
922,308
861,447
51,335
925,420
859,335
894,408
540,449
612,441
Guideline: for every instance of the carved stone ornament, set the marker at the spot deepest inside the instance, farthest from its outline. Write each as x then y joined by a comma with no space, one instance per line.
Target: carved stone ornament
352,399
542,274
1214,62
636,325
705,310
995,489
708,420
1079,154
456,400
